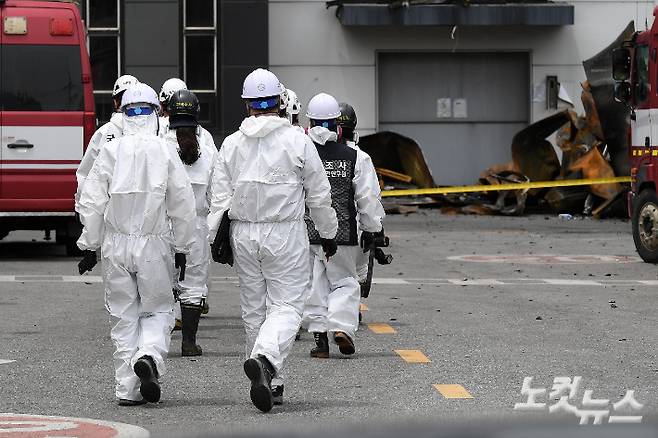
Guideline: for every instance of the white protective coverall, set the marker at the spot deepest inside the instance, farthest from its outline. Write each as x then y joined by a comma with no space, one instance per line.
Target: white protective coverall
264,172
136,193
369,169
333,301
109,131
197,273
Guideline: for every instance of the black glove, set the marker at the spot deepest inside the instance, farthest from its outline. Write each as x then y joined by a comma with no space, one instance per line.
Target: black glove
367,239
329,247
88,261
179,263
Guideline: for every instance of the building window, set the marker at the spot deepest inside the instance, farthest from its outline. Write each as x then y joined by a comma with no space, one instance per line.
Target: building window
103,20
200,55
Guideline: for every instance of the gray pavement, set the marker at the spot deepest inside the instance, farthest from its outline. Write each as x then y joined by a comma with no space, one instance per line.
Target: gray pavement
485,326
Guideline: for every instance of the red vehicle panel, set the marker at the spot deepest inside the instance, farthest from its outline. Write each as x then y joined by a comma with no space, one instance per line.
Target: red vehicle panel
46,113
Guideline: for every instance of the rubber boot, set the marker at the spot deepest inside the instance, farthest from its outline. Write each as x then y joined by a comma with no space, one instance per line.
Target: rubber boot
260,372
190,315
321,349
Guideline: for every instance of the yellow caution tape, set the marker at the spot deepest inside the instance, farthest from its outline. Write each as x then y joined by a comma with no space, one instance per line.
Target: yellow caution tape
501,187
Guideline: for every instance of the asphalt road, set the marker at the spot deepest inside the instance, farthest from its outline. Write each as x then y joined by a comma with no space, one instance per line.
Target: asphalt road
482,325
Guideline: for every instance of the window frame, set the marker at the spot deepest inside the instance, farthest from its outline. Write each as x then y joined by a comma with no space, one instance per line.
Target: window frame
105,32
213,124
200,31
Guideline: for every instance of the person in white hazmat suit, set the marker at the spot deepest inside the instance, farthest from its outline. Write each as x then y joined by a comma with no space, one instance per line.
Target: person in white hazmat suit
136,204
347,123
169,87
109,131
332,306
199,158
266,174
293,110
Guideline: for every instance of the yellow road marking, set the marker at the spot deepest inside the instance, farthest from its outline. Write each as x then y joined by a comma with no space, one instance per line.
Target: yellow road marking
381,328
363,308
453,391
413,356
502,187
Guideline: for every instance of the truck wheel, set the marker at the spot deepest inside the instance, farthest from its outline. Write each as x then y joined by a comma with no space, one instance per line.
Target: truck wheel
645,225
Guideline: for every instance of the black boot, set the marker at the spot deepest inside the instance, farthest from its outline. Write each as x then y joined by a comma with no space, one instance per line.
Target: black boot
345,343
277,394
260,371
190,315
321,349
148,375
126,402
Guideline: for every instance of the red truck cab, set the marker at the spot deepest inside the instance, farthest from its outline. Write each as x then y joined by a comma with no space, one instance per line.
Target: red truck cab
46,116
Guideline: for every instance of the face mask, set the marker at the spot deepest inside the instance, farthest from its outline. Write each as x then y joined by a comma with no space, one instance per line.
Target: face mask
142,124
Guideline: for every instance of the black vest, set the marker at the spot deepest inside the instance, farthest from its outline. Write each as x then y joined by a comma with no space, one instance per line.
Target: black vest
339,162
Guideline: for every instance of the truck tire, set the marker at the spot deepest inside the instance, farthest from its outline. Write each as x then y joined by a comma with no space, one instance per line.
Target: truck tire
645,225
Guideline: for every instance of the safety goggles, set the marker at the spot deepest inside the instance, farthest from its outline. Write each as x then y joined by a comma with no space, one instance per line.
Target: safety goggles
139,111
329,124
262,104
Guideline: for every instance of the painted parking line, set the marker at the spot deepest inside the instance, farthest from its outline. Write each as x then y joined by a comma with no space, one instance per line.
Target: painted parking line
363,308
40,426
413,356
450,391
381,328
4,361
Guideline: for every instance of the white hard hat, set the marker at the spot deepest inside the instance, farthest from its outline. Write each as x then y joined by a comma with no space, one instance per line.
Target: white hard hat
169,87
323,107
123,83
294,106
260,83
283,102
140,93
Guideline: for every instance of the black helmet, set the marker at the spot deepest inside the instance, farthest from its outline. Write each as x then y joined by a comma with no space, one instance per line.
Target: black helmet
183,109
347,117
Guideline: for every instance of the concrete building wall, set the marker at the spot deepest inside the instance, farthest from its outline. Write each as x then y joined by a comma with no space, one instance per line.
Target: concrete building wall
311,51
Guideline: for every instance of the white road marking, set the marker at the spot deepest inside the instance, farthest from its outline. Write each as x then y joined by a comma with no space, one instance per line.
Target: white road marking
546,259
394,281
561,282
389,281
4,361
476,282
649,282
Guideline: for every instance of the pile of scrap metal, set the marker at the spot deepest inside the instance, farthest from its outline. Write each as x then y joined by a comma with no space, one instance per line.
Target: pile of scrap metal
400,164
593,145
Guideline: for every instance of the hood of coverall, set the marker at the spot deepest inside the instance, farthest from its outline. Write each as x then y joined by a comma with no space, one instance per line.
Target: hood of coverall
140,124
261,126
321,135
117,120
